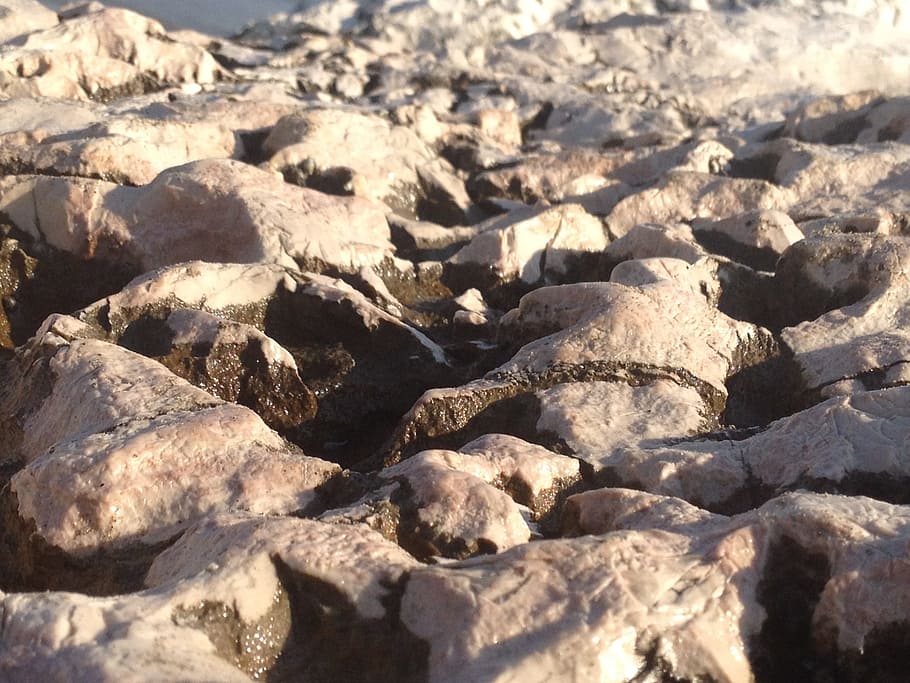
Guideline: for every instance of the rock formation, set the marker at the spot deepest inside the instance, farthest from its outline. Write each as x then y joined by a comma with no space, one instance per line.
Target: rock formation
456,342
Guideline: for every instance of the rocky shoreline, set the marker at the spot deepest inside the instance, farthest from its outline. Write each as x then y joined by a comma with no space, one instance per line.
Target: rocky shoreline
517,341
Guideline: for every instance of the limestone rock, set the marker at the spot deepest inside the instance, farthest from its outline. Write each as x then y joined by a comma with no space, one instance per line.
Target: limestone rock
180,217
686,195
381,159
24,16
856,286
531,246
133,466
100,56
131,147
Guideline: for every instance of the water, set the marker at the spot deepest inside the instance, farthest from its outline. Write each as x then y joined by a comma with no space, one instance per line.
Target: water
217,17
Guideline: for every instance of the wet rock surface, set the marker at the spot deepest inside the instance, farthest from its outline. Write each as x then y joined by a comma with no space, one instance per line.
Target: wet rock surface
376,343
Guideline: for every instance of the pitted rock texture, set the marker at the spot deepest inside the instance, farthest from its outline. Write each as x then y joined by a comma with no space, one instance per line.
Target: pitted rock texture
436,342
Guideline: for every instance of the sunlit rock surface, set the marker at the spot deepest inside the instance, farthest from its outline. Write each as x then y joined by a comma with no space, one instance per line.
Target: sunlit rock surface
469,341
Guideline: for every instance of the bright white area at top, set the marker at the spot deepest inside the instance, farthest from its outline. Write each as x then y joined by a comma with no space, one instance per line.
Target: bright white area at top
227,17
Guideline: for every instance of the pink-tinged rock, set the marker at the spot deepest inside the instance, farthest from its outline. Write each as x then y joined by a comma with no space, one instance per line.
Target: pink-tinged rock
381,159
217,607
24,16
609,600
862,117
86,386
700,277
233,361
285,595
531,474
601,511
148,479
49,636
533,245
217,210
233,291
682,196
129,147
458,514
646,241
863,277
756,238
834,119
827,179
101,55
848,443
667,589
621,328
118,450
229,556
595,418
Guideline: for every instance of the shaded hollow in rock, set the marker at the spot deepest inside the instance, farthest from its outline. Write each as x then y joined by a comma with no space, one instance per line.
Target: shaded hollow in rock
29,563
330,641
789,591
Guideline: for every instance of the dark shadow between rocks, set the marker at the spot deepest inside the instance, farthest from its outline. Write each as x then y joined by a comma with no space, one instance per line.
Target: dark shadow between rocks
885,657
330,641
789,591
37,280
28,563
767,387
757,258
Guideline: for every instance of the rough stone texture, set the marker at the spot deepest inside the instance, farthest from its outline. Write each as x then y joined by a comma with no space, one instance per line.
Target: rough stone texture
851,444
99,55
115,451
382,159
756,238
613,325
858,341
737,171
686,195
181,216
130,147
24,16
534,246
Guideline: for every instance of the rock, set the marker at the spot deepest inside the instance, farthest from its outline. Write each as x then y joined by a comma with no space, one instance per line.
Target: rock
100,56
103,478
756,238
52,634
129,147
863,117
314,357
676,600
273,221
796,532
596,418
382,158
24,16
233,361
604,328
648,241
855,284
840,445
529,247
452,512
682,196
823,180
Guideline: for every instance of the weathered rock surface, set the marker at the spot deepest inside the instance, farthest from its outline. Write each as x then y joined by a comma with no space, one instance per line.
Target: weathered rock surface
469,341
101,55
117,453
215,210
529,247
56,137
858,291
